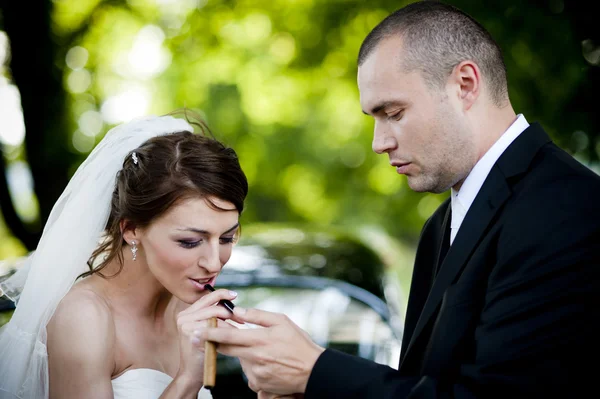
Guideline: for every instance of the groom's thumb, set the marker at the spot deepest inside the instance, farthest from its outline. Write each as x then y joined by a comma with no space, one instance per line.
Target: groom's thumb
259,317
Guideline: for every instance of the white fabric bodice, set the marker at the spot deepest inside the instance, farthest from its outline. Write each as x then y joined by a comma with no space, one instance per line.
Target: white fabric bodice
145,384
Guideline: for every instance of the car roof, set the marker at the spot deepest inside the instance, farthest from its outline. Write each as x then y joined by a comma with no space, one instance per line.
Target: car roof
274,249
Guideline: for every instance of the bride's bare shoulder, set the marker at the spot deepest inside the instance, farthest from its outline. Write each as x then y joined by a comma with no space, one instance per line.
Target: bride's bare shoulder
81,345
82,313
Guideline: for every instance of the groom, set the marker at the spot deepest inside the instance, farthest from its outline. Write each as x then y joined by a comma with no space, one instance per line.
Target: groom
506,285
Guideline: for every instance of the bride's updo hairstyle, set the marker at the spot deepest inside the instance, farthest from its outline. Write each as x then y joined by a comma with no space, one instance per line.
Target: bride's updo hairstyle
163,171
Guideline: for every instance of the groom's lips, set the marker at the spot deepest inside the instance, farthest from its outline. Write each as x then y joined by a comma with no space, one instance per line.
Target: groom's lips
401,167
223,302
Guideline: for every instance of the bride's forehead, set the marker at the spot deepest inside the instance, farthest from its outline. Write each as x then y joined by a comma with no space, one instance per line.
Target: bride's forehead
197,210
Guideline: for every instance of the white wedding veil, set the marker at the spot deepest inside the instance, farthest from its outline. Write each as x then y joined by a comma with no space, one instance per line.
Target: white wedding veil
72,232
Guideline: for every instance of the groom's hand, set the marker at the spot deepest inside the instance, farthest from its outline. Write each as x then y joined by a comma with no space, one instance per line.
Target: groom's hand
267,395
277,358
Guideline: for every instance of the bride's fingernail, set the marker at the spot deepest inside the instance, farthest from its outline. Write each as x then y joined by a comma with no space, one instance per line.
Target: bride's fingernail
197,333
195,340
232,293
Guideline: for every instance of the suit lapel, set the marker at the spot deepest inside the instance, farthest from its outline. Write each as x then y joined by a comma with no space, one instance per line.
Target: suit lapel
493,194
445,244
489,200
426,264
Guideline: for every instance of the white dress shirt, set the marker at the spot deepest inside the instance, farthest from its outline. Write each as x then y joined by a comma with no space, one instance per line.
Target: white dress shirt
461,200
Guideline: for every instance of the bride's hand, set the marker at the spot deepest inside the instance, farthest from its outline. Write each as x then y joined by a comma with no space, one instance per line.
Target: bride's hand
189,324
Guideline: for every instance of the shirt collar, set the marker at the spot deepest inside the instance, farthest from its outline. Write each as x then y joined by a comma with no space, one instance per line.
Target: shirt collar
472,184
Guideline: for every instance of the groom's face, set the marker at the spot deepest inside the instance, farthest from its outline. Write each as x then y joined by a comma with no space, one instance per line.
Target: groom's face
421,128
188,246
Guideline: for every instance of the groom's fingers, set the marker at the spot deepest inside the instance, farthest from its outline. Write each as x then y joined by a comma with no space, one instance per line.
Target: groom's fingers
243,352
260,317
233,336
242,342
268,395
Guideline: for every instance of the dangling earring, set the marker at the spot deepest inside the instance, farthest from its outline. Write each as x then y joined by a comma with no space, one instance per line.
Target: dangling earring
133,250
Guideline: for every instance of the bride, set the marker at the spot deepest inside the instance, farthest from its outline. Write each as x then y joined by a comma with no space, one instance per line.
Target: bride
111,302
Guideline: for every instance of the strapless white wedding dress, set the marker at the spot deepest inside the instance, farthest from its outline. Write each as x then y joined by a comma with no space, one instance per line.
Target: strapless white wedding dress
145,384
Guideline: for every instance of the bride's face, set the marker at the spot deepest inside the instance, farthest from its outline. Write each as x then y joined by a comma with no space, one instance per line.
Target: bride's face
187,247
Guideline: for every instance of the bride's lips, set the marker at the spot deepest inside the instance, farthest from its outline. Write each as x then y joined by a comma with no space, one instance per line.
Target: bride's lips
200,283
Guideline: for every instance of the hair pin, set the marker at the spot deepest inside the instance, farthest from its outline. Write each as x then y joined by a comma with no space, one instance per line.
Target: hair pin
134,157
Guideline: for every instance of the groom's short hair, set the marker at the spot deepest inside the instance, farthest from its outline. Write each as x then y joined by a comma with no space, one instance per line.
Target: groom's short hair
436,37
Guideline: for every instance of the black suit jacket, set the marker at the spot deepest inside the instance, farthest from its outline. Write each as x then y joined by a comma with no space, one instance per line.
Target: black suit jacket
512,310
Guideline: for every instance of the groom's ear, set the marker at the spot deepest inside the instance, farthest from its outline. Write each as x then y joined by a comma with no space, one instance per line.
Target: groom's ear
128,230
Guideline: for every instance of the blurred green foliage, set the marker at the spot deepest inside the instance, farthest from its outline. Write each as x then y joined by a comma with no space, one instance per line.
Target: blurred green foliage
276,80
5,317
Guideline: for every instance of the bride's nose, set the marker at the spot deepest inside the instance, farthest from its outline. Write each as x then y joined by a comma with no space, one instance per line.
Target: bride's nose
210,259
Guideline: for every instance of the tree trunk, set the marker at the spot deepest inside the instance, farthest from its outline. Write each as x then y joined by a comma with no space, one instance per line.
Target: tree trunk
35,69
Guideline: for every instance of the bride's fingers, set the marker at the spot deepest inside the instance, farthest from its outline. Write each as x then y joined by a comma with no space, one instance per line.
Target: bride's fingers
204,314
194,328
210,311
210,299
225,324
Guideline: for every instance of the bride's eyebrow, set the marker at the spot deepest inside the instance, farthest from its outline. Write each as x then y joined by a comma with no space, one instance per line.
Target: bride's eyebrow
235,226
199,231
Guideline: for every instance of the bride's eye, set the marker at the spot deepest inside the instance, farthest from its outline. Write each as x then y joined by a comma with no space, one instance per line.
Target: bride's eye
226,240
189,244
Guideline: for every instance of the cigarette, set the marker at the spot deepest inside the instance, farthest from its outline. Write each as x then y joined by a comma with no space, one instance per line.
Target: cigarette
210,358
